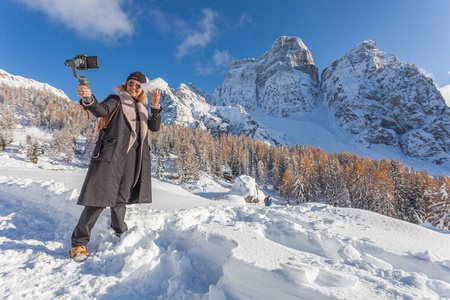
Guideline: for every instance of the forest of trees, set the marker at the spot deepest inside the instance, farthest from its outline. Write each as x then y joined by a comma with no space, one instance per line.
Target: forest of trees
65,119
299,173
308,174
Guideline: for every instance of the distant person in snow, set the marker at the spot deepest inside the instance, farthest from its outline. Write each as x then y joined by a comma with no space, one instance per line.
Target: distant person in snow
119,172
267,201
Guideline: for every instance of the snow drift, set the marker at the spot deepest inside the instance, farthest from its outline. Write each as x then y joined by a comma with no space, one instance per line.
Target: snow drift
185,246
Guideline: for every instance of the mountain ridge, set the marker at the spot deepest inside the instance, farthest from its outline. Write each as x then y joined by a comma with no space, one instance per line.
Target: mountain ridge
384,101
369,93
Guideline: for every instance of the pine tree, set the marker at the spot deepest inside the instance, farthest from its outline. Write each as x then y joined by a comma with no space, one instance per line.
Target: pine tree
439,215
64,143
180,167
417,202
298,189
8,121
261,171
400,186
33,149
160,168
275,174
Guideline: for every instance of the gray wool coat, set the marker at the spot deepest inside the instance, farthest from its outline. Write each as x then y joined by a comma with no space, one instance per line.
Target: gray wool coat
101,185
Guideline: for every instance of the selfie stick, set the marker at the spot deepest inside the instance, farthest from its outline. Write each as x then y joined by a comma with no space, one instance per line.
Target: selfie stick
74,63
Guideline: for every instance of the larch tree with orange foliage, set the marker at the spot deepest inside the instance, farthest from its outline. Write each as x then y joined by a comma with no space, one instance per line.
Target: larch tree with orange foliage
286,186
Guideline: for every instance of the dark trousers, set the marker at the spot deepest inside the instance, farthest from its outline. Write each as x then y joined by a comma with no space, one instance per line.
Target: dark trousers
82,233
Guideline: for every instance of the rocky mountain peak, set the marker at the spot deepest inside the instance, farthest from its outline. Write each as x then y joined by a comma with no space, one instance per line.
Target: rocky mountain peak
186,106
289,53
283,81
366,45
199,91
384,101
292,50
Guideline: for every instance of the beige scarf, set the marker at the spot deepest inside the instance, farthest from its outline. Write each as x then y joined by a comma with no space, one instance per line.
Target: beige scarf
129,111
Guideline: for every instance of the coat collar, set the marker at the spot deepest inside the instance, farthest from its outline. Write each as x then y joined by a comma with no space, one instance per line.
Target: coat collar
129,111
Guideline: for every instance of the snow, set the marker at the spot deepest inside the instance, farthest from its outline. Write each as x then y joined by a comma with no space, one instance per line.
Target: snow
157,83
245,187
21,82
192,243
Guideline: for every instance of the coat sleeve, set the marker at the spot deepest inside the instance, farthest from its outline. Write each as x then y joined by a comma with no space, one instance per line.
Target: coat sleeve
154,121
101,109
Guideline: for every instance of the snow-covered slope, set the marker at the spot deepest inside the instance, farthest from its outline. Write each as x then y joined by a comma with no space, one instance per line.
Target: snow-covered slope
185,246
7,79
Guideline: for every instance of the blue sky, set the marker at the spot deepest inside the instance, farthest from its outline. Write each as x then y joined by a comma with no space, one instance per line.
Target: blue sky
194,41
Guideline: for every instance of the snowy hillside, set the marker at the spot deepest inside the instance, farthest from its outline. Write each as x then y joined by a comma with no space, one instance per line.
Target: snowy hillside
186,245
187,106
26,83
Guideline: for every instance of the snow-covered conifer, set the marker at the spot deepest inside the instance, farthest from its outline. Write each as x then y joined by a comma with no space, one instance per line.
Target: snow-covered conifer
160,168
439,215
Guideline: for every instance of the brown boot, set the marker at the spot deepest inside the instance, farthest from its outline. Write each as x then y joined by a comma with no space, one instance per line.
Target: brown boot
78,253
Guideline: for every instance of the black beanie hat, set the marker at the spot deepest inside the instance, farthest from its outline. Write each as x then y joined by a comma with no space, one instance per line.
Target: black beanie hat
138,76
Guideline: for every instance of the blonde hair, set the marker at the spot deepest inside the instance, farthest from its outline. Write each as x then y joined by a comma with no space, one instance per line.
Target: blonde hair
142,97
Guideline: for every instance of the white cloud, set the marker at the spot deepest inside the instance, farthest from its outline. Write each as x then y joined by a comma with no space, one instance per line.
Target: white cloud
91,19
246,21
192,36
219,60
167,23
201,37
204,69
445,91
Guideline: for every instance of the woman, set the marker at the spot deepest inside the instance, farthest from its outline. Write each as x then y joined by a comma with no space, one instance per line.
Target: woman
120,171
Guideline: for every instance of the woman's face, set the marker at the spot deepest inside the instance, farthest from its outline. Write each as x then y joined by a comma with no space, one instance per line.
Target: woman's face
133,88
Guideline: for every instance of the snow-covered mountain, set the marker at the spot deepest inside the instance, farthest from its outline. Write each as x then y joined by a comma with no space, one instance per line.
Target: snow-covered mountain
367,92
282,82
187,106
384,101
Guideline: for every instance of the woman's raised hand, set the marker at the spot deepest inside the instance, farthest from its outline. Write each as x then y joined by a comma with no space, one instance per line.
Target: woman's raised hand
155,96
